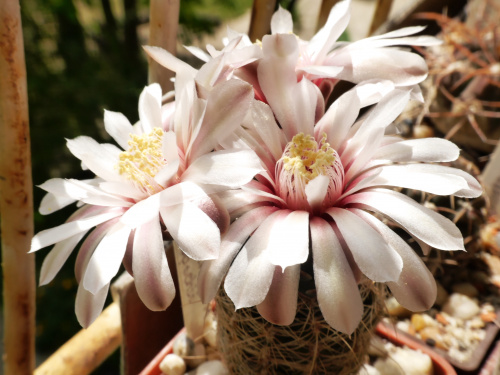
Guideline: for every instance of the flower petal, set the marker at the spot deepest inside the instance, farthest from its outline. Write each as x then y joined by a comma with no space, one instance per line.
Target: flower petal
57,257
280,305
336,288
226,108
119,127
101,159
150,107
152,277
416,288
323,41
213,271
423,150
195,233
169,61
251,273
281,22
142,211
421,222
231,168
377,260
434,179
51,236
316,191
88,306
289,240
107,257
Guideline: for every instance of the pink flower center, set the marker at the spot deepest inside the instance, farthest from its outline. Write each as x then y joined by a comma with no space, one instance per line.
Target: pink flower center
303,160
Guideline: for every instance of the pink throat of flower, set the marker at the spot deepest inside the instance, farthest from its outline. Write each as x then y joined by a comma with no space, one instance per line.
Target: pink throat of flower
303,160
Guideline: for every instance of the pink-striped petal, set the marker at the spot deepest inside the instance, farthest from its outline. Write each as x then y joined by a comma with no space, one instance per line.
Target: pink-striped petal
106,259
195,233
152,277
280,305
377,260
336,286
416,288
213,271
88,306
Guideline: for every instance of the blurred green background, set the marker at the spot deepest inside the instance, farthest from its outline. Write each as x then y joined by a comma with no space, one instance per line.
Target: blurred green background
84,56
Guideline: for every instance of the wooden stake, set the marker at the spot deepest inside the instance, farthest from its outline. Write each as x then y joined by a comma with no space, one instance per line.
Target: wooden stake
164,20
16,197
382,9
260,24
85,351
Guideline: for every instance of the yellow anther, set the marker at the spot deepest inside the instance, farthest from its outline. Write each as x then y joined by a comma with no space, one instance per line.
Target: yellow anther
143,159
305,157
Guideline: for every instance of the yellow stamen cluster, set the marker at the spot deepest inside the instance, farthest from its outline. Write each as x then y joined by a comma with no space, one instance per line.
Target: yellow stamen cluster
143,159
305,157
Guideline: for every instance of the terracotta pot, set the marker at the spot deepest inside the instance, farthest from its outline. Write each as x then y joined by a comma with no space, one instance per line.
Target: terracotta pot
441,365
153,368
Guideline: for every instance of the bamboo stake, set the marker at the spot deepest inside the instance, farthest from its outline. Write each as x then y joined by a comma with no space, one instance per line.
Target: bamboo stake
16,198
260,23
163,24
324,11
382,9
85,351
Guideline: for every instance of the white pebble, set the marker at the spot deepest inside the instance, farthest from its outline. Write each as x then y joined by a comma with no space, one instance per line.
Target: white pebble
368,370
172,364
461,306
197,357
183,346
405,361
212,368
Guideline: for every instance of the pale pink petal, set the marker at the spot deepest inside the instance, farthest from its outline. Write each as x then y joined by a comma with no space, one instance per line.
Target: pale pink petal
338,119
57,257
288,242
280,305
99,158
321,71
124,189
336,288
231,168
195,233
306,99
169,147
88,247
185,191
281,22
251,273
51,236
424,150
142,212
152,277
106,259
434,179
227,105
269,132
167,173
198,52
56,198
398,37
402,67
421,222
150,107
119,127
213,271
88,306
169,61
416,288
377,260
325,38
316,191
277,78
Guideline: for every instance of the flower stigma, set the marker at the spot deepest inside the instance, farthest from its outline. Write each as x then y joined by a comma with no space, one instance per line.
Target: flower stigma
303,160
143,160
